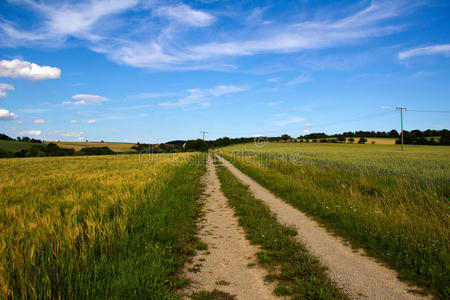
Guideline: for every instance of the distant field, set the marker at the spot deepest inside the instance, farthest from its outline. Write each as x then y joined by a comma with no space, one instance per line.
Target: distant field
116,147
15,146
101,227
393,203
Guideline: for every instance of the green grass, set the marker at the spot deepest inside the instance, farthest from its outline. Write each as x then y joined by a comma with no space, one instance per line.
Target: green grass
298,275
97,227
394,204
15,146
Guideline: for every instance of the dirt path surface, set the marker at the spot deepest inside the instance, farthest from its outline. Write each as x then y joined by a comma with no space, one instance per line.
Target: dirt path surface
361,277
225,268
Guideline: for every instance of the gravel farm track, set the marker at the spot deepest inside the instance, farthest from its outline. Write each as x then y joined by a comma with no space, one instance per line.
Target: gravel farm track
224,266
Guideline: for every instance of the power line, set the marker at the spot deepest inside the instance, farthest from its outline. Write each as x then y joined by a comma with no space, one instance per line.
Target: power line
365,117
430,111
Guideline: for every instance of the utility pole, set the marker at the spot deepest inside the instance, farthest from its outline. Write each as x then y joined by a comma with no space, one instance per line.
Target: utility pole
203,132
401,109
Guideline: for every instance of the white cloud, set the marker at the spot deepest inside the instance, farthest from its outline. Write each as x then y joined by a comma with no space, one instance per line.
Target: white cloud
31,132
23,69
274,103
150,95
291,120
274,79
303,78
184,14
73,121
5,87
306,131
92,121
142,42
202,96
85,99
5,115
34,110
430,50
170,50
308,124
39,121
386,107
59,20
72,134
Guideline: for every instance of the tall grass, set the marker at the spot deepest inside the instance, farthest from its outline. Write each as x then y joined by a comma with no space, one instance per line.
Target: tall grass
395,205
96,227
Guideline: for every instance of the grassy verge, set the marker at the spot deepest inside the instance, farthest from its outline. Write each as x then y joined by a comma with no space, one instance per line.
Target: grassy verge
397,215
103,227
298,274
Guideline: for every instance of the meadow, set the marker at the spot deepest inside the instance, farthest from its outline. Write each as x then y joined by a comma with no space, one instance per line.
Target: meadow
97,227
392,203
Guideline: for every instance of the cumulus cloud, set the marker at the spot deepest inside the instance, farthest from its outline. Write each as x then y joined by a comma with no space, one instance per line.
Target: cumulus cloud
30,71
39,121
5,87
202,97
31,132
92,121
184,14
85,99
429,50
73,121
5,115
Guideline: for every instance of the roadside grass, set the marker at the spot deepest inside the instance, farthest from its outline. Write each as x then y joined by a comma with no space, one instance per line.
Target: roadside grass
395,205
108,227
297,273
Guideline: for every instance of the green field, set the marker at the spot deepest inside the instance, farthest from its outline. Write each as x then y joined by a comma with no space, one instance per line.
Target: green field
97,227
15,146
393,203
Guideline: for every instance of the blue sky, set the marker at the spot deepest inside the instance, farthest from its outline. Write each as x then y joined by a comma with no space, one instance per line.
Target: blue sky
153,71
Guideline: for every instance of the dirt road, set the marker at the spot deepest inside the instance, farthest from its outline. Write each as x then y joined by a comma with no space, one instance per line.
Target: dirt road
225,265
359,276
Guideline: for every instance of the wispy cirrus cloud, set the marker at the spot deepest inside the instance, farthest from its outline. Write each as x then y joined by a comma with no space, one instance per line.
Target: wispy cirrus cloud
287,121
443,49
202,97
184,14
5,87
302,78
180,37
86,99
284,119
39,121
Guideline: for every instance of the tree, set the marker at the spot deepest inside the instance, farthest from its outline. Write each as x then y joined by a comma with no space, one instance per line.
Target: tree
285,137
341,139
362,140
351,139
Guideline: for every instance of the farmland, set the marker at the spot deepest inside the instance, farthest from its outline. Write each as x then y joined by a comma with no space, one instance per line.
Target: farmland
97,227
116,147
393,204
15,146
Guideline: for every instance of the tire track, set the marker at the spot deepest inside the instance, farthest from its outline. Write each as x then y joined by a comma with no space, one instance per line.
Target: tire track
225,265
360,276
